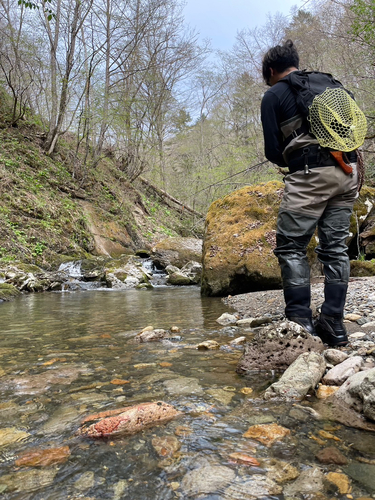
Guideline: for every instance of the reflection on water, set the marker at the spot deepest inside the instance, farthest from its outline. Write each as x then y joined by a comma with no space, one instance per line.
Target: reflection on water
64,356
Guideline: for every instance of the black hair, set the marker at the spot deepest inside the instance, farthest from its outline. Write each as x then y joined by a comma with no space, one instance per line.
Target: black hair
280,58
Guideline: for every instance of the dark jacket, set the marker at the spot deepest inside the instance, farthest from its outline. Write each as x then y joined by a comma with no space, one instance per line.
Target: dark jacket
280,117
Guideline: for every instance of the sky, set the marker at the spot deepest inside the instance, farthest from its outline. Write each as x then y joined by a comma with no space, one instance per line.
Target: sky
220,20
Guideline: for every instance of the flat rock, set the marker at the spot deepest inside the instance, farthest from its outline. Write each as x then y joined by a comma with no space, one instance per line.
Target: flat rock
364,474
221,395
207,479
331,455
11,435
341,372
28,480
266,434
257,487
166,446
43,458
341,481
301,377
309,481
334,356
183,386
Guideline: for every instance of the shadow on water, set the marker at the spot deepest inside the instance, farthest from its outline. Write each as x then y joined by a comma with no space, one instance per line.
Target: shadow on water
64,356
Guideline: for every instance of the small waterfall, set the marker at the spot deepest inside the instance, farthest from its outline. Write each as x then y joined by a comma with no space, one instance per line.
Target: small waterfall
158,277
75,280
71,269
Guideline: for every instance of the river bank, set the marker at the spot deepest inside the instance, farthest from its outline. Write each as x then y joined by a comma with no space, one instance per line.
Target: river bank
360,302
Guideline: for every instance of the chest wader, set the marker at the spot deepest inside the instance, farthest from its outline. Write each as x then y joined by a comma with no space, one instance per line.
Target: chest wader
294,232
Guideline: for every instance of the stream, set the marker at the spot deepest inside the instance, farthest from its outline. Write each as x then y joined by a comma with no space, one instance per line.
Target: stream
66,355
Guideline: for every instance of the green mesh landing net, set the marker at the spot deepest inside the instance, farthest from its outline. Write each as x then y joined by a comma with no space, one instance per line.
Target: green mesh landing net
336,120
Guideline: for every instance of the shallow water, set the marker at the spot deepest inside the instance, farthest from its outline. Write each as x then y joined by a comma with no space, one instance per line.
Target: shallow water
60,356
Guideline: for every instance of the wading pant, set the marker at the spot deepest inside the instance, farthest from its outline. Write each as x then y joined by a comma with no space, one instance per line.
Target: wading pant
322,199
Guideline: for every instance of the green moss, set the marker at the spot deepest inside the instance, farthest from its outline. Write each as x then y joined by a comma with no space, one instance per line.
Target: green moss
362,268
8,292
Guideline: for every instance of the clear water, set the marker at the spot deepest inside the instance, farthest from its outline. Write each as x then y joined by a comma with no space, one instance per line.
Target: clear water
59,356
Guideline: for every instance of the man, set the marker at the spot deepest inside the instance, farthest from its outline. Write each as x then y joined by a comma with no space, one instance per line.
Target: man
318,194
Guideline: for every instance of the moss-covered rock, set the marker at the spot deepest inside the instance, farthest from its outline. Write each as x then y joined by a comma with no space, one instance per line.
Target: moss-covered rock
363,219
240,236
360,268
8,292
177,251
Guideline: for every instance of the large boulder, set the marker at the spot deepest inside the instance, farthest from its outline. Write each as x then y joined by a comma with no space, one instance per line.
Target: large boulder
276,347
240,236
176,251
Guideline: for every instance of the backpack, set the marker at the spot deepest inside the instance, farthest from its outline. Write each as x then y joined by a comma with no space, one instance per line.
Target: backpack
333,116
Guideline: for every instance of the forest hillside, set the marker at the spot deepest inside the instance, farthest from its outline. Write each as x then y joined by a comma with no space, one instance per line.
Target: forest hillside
48,215
116,121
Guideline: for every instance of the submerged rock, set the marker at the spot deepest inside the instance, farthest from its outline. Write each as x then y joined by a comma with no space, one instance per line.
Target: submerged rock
258,486
310,481
302,376
206,480
11,435
275,347
166,446
131,420
266,434
28,480
183,386
43,458
341,481
152,335
331,455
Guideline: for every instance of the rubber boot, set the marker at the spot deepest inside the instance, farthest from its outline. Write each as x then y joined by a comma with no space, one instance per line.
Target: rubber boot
297,307
330,327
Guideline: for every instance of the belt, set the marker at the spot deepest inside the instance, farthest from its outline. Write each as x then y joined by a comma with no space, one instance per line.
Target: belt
314,156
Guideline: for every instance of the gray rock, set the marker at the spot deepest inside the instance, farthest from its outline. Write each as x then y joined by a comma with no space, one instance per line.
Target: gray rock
341,372
302,376
206,480
28,480
227,319
334,356
276,346
364,474
193,270
254,322
358,392
183,386
257,487
177,251
310,481
152,335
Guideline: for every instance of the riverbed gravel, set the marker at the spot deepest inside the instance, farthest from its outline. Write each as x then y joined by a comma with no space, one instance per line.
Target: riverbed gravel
359,307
